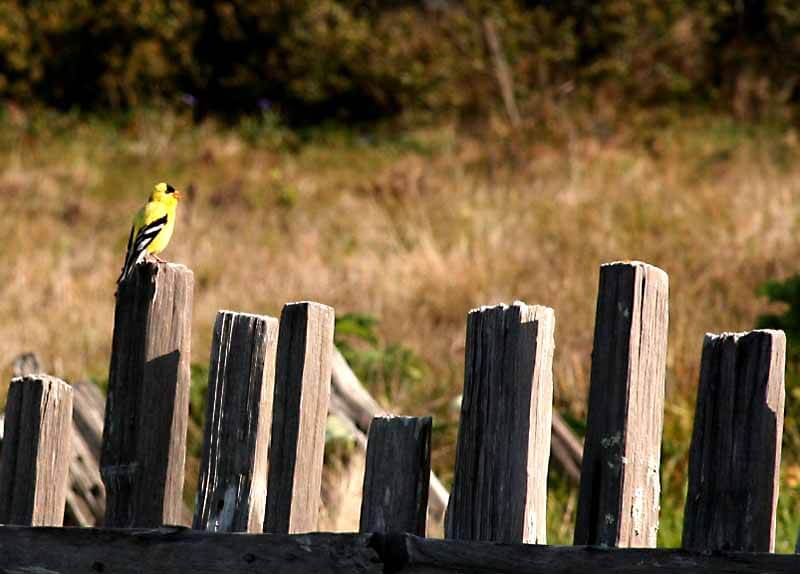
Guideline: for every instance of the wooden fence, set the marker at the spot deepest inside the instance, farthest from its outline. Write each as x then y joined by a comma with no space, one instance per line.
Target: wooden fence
268,398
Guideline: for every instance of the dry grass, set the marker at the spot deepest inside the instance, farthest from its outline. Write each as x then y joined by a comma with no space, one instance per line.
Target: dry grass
414,229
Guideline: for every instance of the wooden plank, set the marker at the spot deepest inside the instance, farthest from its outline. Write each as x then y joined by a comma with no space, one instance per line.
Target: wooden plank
302,392
404,554
181,551
355,401
618,503
500,482
86,495
398,469
735,457
232,491
36,451
184,551
144,438
566,449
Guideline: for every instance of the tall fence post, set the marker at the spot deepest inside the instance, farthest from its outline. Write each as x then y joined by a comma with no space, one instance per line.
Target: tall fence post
397,475
34,466
735,457
144,436
232,491
618,504
500,483
302,393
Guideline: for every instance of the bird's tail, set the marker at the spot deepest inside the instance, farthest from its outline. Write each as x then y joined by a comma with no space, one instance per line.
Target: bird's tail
137,246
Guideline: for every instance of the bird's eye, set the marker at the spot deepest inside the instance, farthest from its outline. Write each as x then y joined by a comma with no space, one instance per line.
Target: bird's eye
170,189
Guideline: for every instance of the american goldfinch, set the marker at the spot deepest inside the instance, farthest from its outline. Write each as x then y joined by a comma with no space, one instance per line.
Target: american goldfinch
152,227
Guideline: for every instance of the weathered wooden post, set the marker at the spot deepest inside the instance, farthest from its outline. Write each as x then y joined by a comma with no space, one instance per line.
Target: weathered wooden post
34,466
397,475
232,491
302,392
735,457
618,503
144,437
500,484
86,495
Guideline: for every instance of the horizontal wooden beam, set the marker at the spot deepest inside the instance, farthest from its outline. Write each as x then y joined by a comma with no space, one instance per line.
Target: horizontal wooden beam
180,550
404,554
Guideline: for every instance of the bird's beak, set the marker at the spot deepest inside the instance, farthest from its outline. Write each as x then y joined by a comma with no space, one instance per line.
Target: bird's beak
177,195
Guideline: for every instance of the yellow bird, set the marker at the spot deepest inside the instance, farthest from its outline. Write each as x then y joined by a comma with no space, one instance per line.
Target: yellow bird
152,227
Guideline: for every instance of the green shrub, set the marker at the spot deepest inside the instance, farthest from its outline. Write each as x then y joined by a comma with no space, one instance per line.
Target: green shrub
348,59
383,368
787,292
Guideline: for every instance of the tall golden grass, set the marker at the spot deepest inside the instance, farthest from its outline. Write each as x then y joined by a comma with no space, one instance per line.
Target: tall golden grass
414,227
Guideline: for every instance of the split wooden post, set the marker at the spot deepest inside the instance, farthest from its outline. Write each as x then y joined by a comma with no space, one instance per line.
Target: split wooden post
397,475
34,466
735,457
302,393
618,504
144,437
500,483
232,491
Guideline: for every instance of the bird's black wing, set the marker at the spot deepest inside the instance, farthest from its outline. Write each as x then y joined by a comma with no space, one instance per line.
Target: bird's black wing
127,256
138,245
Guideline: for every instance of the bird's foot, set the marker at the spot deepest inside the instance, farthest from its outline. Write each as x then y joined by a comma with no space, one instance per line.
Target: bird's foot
152,257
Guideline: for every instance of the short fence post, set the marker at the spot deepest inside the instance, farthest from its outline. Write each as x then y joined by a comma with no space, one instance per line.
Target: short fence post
500,482
735,457
302,393
34,467
618,504
397,475
232,490
144,436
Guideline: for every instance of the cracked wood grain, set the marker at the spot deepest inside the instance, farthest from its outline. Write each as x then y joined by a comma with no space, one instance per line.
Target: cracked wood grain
34,466
735,456
232,490
302,394
618,502
500,482
397,475
144,435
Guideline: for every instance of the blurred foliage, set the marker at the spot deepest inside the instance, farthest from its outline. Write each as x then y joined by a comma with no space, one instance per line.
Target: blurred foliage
787,292
383,368
363,59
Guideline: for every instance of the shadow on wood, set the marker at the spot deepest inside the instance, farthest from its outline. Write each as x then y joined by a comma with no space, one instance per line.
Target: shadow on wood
618,503
500,481
302,393
144,436
394,497
735,456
